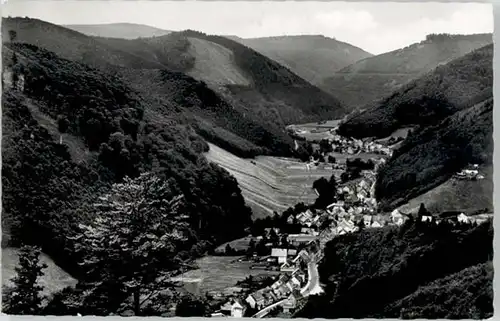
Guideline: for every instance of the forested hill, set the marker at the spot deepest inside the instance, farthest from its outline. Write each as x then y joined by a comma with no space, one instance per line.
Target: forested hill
417,271
312,57
428,99
119,30
431,156
374,78
107,132
238,98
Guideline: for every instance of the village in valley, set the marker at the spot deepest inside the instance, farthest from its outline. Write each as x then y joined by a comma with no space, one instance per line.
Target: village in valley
293,243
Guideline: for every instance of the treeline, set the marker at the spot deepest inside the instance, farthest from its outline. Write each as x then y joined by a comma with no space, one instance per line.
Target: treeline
380,267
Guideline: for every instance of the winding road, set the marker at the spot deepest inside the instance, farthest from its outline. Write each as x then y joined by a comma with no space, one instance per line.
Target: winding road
313,286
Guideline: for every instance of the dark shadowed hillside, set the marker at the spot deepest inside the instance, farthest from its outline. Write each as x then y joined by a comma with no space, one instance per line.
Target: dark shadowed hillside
70,131
119,30
375,77
427,99
419,270
312,57
431,156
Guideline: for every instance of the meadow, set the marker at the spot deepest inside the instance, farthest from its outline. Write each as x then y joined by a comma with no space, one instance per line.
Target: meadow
216,273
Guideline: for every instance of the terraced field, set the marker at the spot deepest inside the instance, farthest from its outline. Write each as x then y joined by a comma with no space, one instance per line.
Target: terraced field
270,183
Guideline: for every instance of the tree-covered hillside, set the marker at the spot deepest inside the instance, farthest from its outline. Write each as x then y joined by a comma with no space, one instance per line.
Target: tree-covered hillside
428,99
384,273
48,185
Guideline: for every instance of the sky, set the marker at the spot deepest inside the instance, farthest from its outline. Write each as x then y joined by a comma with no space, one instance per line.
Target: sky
374,27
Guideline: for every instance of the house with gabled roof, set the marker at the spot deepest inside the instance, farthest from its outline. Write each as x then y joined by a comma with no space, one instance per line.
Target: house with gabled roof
290,303
397,218
256,300
287,267
367,220
280,254
345,226
238,309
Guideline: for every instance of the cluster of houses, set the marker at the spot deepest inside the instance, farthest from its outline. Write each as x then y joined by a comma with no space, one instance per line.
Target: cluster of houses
454,218
285,291
469,173
352,146
355,208
287,287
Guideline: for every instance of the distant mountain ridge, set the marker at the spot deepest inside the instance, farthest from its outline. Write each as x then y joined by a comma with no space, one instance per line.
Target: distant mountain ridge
373,78
119,30
427,99
313,57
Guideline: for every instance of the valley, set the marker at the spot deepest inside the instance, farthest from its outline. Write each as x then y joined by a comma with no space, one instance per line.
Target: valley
190,174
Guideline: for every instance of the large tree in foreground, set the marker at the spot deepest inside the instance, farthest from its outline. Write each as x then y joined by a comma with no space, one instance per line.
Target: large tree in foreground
24,297
131,245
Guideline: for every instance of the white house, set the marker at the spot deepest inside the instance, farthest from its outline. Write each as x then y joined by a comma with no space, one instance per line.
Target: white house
237,309
367,219
397,218
289,304
345,227
281,254
255,300
426,218
462,218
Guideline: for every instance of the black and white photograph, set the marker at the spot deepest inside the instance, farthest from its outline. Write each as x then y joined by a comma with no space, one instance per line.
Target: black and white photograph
233,159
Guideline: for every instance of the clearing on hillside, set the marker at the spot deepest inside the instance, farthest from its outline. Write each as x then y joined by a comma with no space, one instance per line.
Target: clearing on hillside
54,278
215,64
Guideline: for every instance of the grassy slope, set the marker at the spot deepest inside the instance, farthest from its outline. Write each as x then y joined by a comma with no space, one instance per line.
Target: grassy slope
430,157
276,87
311,57
119,30
428,99
376,77
456,195
271,184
